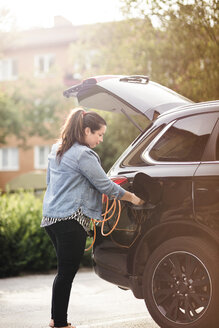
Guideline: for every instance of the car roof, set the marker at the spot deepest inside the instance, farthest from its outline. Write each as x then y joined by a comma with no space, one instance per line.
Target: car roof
190,109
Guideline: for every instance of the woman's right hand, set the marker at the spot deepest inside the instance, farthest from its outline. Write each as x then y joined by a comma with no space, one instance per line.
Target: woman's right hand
132,198
136,200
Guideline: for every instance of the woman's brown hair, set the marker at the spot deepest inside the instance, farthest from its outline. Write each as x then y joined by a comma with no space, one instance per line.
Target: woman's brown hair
73,129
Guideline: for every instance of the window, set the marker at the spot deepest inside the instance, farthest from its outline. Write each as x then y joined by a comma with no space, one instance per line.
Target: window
134,157
185,140
217,149
9,160
85,62
8,69
43,64
41,156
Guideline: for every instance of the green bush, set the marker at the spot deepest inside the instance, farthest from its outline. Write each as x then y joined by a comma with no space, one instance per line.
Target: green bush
24,246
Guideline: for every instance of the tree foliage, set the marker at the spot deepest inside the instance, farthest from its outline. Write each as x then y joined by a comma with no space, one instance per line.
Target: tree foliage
6,24
27,108
115,52
185,58
27,111
119,134
25,247
175,42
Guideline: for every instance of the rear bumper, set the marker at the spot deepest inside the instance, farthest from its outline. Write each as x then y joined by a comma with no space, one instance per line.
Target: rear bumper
133,283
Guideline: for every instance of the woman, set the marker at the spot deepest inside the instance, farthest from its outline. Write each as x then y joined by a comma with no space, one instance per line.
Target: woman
75,184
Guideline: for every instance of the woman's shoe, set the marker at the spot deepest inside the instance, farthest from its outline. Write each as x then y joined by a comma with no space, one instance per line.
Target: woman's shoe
69,325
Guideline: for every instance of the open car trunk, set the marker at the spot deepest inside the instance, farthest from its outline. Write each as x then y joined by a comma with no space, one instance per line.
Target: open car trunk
126,94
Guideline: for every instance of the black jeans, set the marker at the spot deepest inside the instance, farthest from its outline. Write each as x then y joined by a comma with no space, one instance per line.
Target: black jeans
69,239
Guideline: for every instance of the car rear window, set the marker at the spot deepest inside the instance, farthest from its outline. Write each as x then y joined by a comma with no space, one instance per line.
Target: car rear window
185,140
217,149
134,157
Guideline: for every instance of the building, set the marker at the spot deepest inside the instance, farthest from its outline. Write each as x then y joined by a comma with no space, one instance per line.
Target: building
40,55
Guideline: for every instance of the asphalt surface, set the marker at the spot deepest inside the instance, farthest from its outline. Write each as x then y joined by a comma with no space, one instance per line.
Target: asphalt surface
25,303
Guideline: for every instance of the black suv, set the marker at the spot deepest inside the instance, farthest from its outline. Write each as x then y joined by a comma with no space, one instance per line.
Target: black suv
165,251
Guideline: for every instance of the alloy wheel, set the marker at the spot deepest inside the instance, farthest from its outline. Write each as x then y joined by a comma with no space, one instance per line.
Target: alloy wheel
181,287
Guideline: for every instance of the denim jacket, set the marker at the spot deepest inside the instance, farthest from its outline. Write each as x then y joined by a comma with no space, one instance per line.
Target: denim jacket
78,181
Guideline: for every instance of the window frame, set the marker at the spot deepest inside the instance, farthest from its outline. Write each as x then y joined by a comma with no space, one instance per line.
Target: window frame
10,166
210,150
129,157
9,69
37,164
46,60
148,159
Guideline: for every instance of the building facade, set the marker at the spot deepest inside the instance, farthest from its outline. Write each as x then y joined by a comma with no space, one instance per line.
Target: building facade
42,56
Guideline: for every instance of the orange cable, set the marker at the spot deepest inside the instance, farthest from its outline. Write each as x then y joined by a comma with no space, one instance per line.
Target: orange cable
105,218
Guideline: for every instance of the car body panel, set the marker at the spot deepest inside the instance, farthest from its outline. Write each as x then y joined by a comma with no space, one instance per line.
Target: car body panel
176,204
206,184
206,195
180,211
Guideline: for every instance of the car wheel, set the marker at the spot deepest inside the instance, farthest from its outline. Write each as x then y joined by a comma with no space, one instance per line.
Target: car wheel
180,284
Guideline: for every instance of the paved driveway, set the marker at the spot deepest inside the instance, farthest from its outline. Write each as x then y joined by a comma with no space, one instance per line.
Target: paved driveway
25,303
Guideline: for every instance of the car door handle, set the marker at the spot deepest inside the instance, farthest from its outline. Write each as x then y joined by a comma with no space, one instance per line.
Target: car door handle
202,189
145,206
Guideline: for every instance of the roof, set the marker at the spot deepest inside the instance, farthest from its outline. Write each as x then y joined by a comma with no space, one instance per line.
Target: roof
63,32
44,37
34,180
191,109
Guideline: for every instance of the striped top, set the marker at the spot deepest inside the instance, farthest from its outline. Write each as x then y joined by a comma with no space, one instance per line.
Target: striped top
84,220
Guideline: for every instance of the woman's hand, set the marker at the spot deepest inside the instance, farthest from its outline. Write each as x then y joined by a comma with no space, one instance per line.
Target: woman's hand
136,200
132,198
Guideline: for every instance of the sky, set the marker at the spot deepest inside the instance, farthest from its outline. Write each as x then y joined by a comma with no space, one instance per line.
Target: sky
40,13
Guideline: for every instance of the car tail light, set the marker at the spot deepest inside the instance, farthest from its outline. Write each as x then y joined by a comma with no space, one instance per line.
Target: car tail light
118,180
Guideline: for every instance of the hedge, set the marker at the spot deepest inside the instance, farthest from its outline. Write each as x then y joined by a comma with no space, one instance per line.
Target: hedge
24,246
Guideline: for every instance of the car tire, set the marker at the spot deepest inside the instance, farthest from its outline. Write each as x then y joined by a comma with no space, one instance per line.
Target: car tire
180,284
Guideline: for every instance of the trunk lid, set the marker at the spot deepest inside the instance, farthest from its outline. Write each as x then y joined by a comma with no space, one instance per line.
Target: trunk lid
126,94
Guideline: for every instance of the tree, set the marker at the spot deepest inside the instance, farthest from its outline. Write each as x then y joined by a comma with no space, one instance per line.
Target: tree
24,111
174,42
119,134
31,113
114,48
10,121
186,57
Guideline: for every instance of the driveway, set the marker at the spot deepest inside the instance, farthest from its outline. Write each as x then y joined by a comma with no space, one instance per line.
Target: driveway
25,303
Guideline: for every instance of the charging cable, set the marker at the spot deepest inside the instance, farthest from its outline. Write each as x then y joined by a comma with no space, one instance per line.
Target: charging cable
106,217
